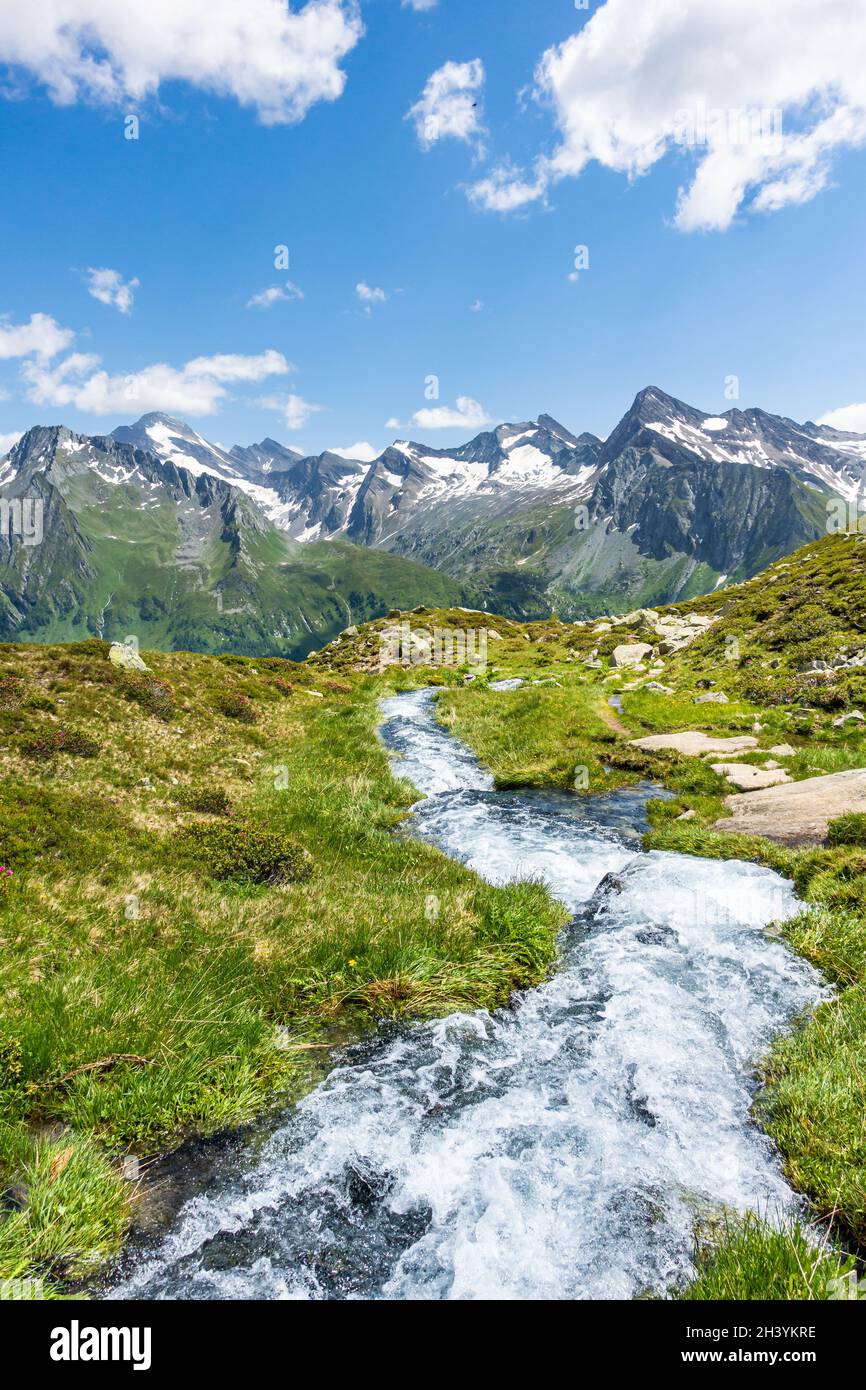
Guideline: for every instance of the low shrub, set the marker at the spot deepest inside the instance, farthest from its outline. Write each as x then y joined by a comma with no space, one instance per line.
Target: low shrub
45,746
246,854
155,696
208,801
234,705
284,687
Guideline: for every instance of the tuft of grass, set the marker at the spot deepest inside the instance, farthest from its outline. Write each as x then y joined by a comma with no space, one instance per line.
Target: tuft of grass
741,1259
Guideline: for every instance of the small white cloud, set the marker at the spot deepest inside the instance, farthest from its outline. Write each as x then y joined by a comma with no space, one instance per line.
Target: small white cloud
362,450
266,298
450,105
40,337
851,418
294,409
392,423
506,189
8,441
370,294
109,287
419,5
468,414
198,388
476,306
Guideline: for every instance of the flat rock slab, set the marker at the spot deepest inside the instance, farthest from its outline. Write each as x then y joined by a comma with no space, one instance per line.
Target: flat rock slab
748,778
693,744
797,813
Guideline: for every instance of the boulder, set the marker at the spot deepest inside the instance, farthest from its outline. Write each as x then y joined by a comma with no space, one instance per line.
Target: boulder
782,750
797,813
692,743
127,658
844,719
715,697
630,653
749,778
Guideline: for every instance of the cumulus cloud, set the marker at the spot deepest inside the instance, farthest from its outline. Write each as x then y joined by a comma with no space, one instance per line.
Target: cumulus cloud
8,441
294,409
109,287
263,54
41,337
851,418
449,105
419,4
758,98
468,414
266,298
197,388
362,450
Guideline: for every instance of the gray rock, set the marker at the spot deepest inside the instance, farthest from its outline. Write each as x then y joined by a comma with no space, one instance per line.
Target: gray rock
630,653
713,697
119,654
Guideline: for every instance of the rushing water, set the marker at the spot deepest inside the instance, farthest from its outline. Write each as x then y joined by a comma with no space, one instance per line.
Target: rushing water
561,1148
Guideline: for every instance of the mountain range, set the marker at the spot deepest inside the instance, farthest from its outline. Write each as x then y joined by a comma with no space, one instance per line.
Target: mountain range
154,530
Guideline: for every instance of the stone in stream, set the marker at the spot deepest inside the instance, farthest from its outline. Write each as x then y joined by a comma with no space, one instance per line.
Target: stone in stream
799,812
692,743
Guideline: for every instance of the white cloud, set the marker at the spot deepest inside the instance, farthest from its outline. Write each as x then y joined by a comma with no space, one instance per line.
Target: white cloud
848,417
450,105
369,294
294,409
468,414
265,55
198,388
476,306
758,96
419,5
8,441
41,337
108,287
362,450
392,423
265,298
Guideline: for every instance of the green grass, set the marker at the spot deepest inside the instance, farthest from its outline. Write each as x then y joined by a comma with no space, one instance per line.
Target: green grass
749,1259
161,976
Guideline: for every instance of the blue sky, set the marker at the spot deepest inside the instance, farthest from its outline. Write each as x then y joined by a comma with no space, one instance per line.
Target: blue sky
193,209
